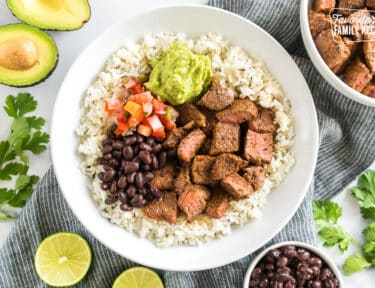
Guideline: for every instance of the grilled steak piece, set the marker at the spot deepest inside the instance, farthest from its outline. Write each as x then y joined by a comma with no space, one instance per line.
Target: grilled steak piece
211,122
324,5
218,204
357,75
164,208
216,98
351,4
164,177
226,138
190,145
182,179
237,186
359,19
369,51
334,52
189,112
318,22
263,123
369,90
255,175
227,164
370,4
201,169
192,200
240,111
258,147
175,136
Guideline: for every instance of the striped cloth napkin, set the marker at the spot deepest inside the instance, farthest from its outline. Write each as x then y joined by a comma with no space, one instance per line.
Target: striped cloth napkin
347,148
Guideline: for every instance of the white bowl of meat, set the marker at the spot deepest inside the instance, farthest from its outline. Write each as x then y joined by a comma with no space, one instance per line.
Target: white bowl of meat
189,144
337,36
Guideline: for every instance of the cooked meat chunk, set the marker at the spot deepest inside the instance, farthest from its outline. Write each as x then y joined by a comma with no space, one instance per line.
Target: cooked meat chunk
227,164
240,111
189,112
357,75
164,208
218,204
192,200
324,5
352,45
201,169
237,186
334,52
216,98
190,145
226,138
359,19
351,4
258,147
164,177
369,51
370,4
205,149
175,136
369,90
318,22
263,123
255,175
182,179
211,122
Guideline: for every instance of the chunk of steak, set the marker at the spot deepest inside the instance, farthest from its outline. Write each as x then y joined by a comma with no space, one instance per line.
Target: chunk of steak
263,123
164,208
190,145
240,111
369,90
255,175
211,122
189,112
318,22
226,138
216,98
201,169
258,147
227,164
164,177
351,4
370,4
182,179
360,19
369,51
218,204
334,52
175,136
237,186
192,200
357,75
324,5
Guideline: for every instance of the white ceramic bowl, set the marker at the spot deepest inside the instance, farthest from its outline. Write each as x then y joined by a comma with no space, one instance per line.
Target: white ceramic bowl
319,63
306,246
284,200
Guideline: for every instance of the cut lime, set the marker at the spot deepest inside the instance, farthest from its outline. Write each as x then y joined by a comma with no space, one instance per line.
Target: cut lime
63,259
138,277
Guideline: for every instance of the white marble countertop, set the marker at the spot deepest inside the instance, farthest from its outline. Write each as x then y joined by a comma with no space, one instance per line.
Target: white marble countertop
70,44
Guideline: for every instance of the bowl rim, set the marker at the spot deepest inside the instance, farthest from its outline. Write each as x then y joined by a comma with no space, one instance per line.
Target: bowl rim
321,66
234,257
331,264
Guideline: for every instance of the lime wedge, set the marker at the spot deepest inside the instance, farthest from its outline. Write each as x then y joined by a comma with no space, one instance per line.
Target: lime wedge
138,277
63,259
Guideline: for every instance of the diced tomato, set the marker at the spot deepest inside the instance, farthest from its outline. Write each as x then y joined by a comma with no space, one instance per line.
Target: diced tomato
133,121
159,107
159,133
156,125
136,89
135,110
168,124
144,130
112,105
141,98
122,126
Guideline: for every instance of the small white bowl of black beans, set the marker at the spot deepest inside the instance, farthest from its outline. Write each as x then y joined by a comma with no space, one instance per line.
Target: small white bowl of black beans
292,265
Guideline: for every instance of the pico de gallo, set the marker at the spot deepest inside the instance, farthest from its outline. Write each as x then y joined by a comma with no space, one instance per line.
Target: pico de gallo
132,107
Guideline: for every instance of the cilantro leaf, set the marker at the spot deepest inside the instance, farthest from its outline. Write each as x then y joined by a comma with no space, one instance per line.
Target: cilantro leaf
369,246
6,195
364,193
37,143
355,263
368,213
10,169
19,131
18,106
26,186
335,235
35,122
369,232
325,212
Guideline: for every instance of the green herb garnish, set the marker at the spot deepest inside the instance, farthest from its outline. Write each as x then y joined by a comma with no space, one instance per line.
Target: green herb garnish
364,193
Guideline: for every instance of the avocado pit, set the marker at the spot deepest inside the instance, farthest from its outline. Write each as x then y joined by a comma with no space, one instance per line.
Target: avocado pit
18,54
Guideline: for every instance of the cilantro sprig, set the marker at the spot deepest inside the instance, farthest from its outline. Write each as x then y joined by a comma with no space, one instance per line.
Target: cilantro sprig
364,193
25,138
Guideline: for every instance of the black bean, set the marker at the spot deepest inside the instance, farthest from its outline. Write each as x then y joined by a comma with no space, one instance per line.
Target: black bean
136,150
107,168
269,259
144,146
284,270
316,270
121,183
269,267
257,271
113,188
130,140
118,144
155,191
117,153
125,207
142,191
106,142
263,283
157,148
123,197
137,201
149,196
325,274
290,285
148,176
111,131
315,261
131,190
303,255
131,177
101,176
150,140
155,162
110,200
131,167
113,162
316,284
275,253
136,159
290,253
283,277
328,283
101,161
108,157
108,175
145,157
104,186
282,262
162,159
145,167
140,138
139,180
128,153
107,149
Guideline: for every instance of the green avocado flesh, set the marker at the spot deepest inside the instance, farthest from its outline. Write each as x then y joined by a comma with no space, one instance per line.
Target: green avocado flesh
180,76
51,14
27,55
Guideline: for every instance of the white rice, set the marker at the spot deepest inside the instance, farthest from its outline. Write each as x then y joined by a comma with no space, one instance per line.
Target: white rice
234,68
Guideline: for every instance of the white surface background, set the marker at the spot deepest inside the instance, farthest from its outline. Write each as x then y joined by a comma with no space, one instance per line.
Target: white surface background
71,43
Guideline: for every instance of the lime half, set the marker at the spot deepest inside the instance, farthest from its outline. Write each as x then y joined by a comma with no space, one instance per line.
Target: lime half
63,259
138,277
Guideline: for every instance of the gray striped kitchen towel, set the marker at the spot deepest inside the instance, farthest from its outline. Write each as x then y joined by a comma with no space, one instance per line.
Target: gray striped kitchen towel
347,148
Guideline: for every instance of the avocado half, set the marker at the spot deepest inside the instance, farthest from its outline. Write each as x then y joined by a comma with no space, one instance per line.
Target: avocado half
27,55
52,14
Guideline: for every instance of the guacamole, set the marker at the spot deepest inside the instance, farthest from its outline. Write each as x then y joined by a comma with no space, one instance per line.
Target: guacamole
180,76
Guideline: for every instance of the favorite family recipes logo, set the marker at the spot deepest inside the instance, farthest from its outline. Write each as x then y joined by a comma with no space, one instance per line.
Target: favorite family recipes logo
356,25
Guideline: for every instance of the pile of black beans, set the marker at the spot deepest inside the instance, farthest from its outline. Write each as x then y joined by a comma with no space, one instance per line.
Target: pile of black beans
292,267
128,162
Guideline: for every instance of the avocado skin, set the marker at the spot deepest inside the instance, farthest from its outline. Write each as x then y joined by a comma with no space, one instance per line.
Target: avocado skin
51,70
50,29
